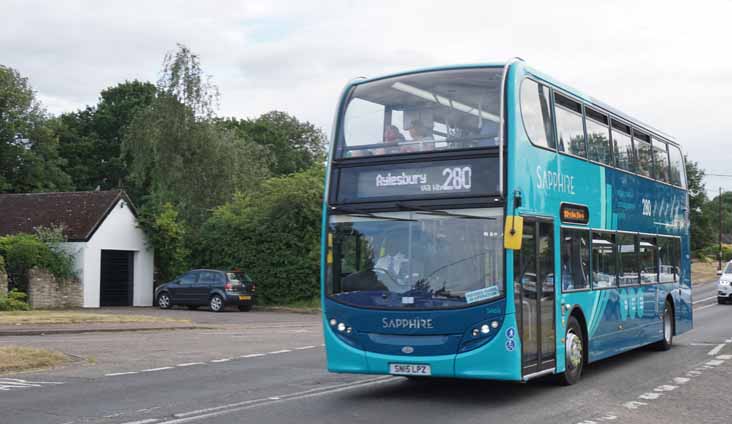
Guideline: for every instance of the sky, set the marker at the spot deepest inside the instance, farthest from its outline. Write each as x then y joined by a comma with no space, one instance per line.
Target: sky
666,63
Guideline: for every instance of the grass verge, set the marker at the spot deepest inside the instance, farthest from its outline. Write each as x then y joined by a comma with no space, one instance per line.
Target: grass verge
20,358
310,306
703,272
66,317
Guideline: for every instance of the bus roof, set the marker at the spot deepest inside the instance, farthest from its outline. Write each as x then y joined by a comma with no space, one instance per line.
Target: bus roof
573,91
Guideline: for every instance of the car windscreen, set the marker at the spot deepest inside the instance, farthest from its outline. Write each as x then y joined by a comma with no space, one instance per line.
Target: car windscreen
728,270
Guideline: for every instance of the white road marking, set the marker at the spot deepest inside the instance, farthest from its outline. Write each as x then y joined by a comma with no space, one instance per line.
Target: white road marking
114,374
252,355
190,364
304,347
715,362
217,361
705,307
681,380
201,414
278,351
7,384
702,344
147,421
704,300
634,404
665,388
724,357
716,349
650,396
157,369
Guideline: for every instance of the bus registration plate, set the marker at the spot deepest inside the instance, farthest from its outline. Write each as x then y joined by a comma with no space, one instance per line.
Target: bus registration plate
410,369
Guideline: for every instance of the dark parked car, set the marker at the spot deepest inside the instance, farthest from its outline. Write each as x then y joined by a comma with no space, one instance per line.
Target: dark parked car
207,287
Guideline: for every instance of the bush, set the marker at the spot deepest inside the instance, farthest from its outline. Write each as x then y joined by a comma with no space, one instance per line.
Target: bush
166,233
14,301
273,234
22,252
711,252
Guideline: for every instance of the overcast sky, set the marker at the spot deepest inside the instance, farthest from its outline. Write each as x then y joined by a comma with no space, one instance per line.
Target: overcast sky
666,63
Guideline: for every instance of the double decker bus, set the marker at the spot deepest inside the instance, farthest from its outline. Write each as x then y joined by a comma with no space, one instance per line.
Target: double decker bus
489,222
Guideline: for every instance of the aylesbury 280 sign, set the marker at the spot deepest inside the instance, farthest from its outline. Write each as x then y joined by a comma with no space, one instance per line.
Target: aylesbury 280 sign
467,176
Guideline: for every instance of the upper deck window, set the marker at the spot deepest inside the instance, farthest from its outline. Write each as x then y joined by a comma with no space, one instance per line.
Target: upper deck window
536,114
598,137
429,111
644,153
678,172
660,160
570,132
622,146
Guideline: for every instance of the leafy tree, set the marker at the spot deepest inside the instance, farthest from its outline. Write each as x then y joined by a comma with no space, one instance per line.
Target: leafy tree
700,224
91,138
167,236
273,234
294,145
29,159
178,155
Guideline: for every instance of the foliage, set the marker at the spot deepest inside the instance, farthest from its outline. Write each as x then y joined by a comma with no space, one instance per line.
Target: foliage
295,145
166,233
25,251
29,159
179,156
700,225
273,234
90,139
14,301
711,252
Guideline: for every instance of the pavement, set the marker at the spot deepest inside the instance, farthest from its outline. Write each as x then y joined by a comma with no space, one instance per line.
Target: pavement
269,368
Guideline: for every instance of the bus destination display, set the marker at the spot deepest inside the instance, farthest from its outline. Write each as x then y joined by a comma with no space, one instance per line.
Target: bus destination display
574,214
456,177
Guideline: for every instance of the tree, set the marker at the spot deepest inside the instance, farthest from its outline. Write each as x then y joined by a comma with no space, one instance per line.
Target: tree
273,234
295,146
700,225
91,138
167,236
178,155
29,159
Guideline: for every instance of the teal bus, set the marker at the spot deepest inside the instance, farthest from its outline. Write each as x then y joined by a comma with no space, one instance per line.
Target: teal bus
489,222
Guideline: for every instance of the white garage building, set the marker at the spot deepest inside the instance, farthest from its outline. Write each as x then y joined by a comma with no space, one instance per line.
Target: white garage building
113,262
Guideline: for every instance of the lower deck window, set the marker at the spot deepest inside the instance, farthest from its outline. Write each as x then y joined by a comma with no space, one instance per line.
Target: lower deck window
575,259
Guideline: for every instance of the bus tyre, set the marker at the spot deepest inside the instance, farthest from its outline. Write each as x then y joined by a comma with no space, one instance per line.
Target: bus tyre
574,353
668,328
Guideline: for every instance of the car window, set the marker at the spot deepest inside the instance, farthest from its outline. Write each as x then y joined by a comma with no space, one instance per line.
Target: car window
728,270
238,276
207,277
189,278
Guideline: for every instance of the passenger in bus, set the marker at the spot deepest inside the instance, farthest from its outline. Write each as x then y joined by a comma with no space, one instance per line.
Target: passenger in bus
418,131
392,137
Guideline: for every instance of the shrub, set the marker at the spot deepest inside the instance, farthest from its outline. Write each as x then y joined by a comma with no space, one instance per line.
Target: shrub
272,233
14,301
21,252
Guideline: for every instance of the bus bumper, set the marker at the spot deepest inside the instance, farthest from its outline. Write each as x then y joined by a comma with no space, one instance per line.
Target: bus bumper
496,360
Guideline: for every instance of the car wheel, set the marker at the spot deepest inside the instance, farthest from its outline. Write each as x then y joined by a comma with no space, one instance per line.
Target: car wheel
668,329
216,303
164,301
245,308
574,353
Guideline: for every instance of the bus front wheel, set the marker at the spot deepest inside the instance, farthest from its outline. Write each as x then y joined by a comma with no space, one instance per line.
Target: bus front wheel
574,353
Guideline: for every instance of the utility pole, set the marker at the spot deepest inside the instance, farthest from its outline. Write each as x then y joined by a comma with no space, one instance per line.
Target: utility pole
719,255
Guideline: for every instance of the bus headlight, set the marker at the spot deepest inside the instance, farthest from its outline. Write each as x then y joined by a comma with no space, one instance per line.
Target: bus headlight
333,322
485,329
341,327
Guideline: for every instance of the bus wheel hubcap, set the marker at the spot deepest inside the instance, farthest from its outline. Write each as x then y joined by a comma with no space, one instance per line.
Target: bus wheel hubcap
574,350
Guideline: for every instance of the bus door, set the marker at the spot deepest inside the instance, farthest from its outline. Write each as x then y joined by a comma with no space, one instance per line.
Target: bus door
534,295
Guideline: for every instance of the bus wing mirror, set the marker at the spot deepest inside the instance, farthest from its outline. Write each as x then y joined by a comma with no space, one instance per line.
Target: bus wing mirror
513,232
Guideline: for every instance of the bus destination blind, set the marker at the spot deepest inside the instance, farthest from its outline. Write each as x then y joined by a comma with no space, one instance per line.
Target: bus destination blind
445,178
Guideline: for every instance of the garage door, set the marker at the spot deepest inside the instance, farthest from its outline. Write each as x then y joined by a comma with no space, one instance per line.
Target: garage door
116,279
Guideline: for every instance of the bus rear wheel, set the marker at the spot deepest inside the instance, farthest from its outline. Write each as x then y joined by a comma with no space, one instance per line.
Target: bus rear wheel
668,328
574,353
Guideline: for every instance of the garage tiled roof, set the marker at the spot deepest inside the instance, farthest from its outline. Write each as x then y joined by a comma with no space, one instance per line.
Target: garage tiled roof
80,213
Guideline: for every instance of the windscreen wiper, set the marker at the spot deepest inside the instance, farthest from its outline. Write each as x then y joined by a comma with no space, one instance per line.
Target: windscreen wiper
364,214
425,211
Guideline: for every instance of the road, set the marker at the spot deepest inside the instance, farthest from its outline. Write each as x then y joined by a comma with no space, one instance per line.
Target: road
287,383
